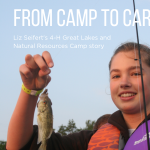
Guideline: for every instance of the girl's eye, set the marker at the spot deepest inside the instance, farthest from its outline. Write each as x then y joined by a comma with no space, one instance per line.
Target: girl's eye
136,74
116,76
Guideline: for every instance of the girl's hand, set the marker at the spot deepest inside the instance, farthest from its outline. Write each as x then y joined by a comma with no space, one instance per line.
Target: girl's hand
35,72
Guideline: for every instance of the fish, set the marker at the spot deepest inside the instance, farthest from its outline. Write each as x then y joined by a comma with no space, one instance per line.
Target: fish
44,119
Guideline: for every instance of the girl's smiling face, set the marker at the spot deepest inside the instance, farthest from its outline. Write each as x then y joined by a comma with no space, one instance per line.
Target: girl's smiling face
125,83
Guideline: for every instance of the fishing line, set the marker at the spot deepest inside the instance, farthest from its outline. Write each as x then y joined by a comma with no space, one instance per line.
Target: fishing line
106,90
140,62
138,91
46,81
138,82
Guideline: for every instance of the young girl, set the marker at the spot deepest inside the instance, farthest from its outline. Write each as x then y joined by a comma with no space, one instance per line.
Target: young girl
126,93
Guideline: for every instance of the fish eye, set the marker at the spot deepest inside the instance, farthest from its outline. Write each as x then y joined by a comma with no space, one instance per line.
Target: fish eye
44,102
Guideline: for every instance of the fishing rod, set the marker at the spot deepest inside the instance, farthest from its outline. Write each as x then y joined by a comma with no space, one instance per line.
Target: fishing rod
140,62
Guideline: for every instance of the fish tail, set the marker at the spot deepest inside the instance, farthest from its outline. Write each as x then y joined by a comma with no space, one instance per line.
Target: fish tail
42,147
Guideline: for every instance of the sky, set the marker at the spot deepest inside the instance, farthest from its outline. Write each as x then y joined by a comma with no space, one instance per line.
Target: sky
79,88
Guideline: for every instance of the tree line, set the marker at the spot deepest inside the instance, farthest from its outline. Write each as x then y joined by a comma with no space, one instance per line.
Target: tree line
2,145
64,130
71,127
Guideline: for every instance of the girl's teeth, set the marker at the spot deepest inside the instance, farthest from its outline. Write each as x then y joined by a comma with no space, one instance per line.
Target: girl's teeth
127,94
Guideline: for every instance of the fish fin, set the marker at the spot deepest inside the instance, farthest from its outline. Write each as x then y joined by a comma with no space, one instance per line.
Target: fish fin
50,134
40,134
